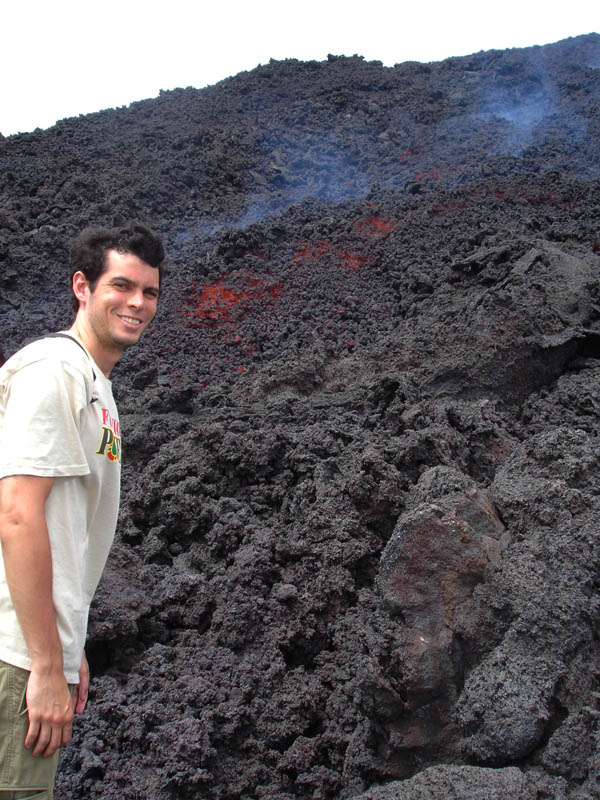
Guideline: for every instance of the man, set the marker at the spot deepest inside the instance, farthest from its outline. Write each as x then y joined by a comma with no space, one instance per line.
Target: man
60,445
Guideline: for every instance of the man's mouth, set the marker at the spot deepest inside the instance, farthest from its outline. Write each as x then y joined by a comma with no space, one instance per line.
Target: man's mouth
131,320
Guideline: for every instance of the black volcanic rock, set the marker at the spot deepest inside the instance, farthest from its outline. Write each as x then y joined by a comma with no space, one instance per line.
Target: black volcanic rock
358,552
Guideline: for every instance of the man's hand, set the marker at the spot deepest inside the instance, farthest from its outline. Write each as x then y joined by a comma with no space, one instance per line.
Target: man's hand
50,711
81,691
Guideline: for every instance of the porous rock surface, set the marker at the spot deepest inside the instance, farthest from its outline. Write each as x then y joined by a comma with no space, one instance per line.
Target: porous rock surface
358,553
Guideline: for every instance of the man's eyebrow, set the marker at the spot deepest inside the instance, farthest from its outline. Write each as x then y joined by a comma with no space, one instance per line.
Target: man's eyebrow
114,278
122,278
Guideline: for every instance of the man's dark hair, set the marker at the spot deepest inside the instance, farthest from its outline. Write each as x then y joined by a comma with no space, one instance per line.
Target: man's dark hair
88,251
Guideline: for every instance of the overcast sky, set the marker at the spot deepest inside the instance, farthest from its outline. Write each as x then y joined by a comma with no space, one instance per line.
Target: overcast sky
61,58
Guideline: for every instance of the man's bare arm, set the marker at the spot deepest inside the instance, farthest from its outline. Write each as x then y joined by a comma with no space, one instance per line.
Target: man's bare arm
28,565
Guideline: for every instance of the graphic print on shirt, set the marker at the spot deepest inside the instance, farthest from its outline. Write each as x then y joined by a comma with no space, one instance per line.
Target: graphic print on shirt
110,446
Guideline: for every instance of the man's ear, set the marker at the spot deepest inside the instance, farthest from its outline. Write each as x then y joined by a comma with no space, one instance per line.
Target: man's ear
80,285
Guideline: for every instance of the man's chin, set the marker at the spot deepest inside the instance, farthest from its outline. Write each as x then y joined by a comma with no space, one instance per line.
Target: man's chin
124,341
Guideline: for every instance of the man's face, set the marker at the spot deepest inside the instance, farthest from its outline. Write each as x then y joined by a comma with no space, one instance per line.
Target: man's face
123,302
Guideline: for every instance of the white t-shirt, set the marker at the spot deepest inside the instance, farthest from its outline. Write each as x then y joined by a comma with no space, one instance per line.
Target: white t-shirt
58,419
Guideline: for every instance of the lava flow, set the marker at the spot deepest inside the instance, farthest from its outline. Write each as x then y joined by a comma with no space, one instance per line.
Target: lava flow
228,299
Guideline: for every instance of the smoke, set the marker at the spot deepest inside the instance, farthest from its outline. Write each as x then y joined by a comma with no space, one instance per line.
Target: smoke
523,115
342,149
286,173
199,229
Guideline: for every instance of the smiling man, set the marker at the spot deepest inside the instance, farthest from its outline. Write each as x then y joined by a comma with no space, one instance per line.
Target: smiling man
60,451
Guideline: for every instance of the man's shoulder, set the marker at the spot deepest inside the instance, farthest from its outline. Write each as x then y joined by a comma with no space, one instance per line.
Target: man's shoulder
50,352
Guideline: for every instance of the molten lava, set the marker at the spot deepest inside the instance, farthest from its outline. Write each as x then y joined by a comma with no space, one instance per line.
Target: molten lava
229,297
375,226
352,261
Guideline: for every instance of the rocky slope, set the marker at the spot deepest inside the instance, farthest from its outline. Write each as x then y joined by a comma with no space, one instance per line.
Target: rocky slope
358,553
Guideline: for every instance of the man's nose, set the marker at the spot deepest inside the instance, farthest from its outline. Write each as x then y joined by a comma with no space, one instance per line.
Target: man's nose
136,299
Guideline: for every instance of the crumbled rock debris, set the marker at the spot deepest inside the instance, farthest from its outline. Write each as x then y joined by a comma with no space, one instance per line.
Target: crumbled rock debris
358,551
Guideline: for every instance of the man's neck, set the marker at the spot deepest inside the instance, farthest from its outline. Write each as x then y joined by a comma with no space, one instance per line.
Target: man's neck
104,358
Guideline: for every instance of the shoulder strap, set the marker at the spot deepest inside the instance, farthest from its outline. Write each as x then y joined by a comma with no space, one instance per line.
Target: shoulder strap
71,338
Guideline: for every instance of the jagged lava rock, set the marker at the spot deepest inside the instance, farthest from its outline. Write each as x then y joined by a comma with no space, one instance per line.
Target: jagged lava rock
358,543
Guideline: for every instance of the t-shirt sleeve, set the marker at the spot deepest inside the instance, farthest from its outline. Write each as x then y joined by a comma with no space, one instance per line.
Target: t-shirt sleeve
40,435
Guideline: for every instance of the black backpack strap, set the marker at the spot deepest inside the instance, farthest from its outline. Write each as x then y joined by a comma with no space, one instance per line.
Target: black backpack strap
75,341
67,336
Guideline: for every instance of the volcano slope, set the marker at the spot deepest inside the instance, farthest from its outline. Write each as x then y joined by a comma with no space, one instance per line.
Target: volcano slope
359,551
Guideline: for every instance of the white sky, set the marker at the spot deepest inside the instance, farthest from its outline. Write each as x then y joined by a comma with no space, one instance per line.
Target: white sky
61,58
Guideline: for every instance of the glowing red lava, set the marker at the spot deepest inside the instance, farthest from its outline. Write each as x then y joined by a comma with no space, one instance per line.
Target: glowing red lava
343,259
310,251
432,175
229,297
514,196
352,261
404,157
375,226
